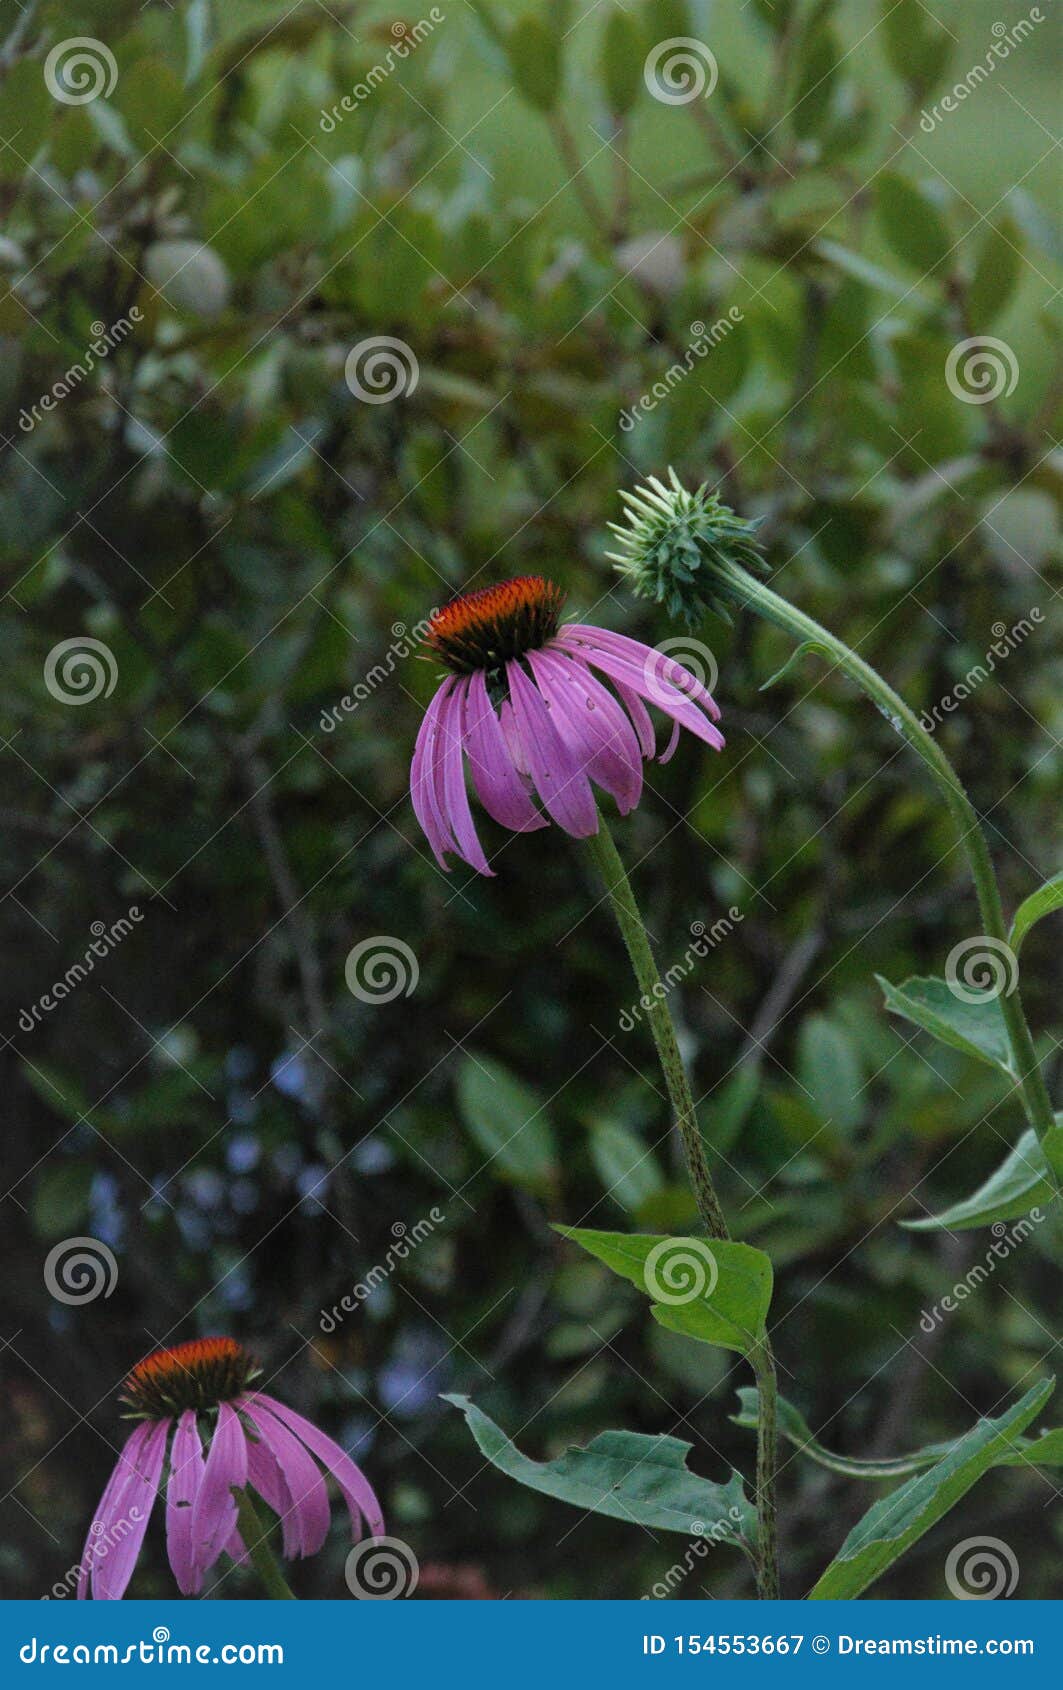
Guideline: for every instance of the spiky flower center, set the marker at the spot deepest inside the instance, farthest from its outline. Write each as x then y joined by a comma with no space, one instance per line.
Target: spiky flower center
484,630
199,1374
676,546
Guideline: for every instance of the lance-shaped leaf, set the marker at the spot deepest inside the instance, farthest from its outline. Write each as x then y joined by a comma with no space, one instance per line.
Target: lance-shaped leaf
1044,1451
629,1476
711,1289
975,1026
1047,898
892,1525
1021,1183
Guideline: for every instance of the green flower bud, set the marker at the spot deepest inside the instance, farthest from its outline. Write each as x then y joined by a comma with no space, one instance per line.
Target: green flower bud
675,544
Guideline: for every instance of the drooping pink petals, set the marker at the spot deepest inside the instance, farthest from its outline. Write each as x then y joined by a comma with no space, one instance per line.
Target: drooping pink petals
559,777
214,1509
592,724
305,1485
499,784
128,1512
186,1474
357,1491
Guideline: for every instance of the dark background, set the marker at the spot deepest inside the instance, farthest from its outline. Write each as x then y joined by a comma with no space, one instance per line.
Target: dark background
243,535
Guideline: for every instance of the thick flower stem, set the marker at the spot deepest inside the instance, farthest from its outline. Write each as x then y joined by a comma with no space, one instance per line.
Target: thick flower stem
767,1445
761,598
633,931
256,1541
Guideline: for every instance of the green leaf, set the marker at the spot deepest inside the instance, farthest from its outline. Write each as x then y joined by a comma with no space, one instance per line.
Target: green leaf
725,1117
627,1476
912,226
897,1521
978,1028
1020,1183
827,1066
534,53
506,1119
917,45
1047,898
1045,1451
818,60
996,272
622,53
711,1289
61,1199
625,1167
802,650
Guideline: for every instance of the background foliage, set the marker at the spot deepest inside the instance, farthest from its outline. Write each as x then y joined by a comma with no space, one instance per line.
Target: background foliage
244,535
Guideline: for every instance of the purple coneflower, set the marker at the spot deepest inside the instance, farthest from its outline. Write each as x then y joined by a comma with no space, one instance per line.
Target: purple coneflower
202,1391
524,706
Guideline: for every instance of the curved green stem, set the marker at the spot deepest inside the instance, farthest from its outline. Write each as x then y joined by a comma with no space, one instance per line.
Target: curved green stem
618,890
256,1542
757,596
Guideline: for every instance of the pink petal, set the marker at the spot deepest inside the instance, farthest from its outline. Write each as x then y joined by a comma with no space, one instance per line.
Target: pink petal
357,1491
132,1504
267,1478
457,813
499,786
127,1457
640,716
592,724
214,1510
560,781
310,1504
656,664
186,1474
652,686
425,780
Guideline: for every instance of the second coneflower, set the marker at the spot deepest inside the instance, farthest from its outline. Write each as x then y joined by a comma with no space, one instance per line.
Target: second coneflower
525,708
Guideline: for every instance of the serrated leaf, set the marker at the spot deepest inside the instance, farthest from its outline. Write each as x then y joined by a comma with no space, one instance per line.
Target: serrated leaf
707,1288
1021,1183
896,1522
626,1475
1045,1451
977,1028
1047,898
622,53
911,224
534,53
996,273
507,1120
